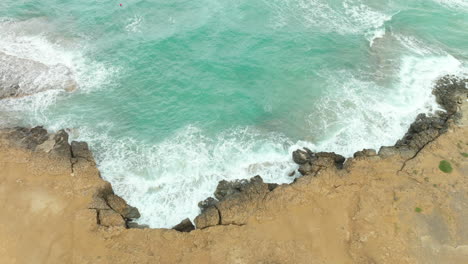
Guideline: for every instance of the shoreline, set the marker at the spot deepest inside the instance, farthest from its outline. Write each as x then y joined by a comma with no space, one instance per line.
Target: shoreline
329,183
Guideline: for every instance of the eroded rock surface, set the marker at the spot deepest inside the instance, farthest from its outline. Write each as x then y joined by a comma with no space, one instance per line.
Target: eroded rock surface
236,201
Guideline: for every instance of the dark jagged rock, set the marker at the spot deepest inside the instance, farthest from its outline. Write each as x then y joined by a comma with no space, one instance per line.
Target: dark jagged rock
311,163
226,189
207,203
62,147
184,226
272,186
29,138
136,225
301,157
450,92
237,200
365,153
120,206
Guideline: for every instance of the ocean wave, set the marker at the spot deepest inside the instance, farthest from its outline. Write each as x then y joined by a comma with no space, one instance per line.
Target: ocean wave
173,175
368,113
40,62
351,17
454,4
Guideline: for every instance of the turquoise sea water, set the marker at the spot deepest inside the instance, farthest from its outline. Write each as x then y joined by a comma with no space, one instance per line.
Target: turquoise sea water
174,96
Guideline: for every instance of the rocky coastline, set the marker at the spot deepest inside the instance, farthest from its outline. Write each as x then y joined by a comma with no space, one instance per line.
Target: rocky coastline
332,190
241,196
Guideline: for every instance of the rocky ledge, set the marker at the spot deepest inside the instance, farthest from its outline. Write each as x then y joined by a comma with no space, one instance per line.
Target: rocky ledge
235,201
111,209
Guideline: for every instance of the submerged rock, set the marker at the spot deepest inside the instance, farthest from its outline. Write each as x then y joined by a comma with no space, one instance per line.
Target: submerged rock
450,92
21,77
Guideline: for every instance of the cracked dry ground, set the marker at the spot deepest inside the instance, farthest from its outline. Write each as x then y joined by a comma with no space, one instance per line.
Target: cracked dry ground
373,211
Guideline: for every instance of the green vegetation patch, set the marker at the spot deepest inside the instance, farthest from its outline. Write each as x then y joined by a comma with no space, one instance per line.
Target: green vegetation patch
417,210
464,154
445,166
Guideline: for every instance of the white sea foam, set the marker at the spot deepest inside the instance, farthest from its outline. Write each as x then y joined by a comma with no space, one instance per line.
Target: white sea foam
364,114
29,40
454,4
352,17
134,24
165,180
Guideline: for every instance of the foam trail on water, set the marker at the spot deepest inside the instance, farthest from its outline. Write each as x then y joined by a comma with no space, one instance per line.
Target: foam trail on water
28,41
352,17
166,180
365,114
454,4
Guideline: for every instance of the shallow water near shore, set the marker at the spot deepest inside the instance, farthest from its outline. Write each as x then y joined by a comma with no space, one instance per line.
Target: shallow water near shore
174,96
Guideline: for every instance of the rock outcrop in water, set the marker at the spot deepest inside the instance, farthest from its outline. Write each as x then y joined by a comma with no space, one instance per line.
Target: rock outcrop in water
21,77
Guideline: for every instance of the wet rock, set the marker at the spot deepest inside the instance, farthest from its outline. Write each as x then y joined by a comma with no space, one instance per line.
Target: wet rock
120,206
318,161
136,225
272,186
111,218
450,91
209,217
62,147
226,189
29,138
365,153
81,150
207,203
301,157
184,226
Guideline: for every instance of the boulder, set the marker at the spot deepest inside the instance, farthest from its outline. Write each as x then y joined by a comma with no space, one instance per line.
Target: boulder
311,163
81,150
120,206
110,218
207,203
184,226
209,217
365,153
301,157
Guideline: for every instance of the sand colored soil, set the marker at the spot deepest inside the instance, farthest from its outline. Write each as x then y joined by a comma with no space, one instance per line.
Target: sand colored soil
374,210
